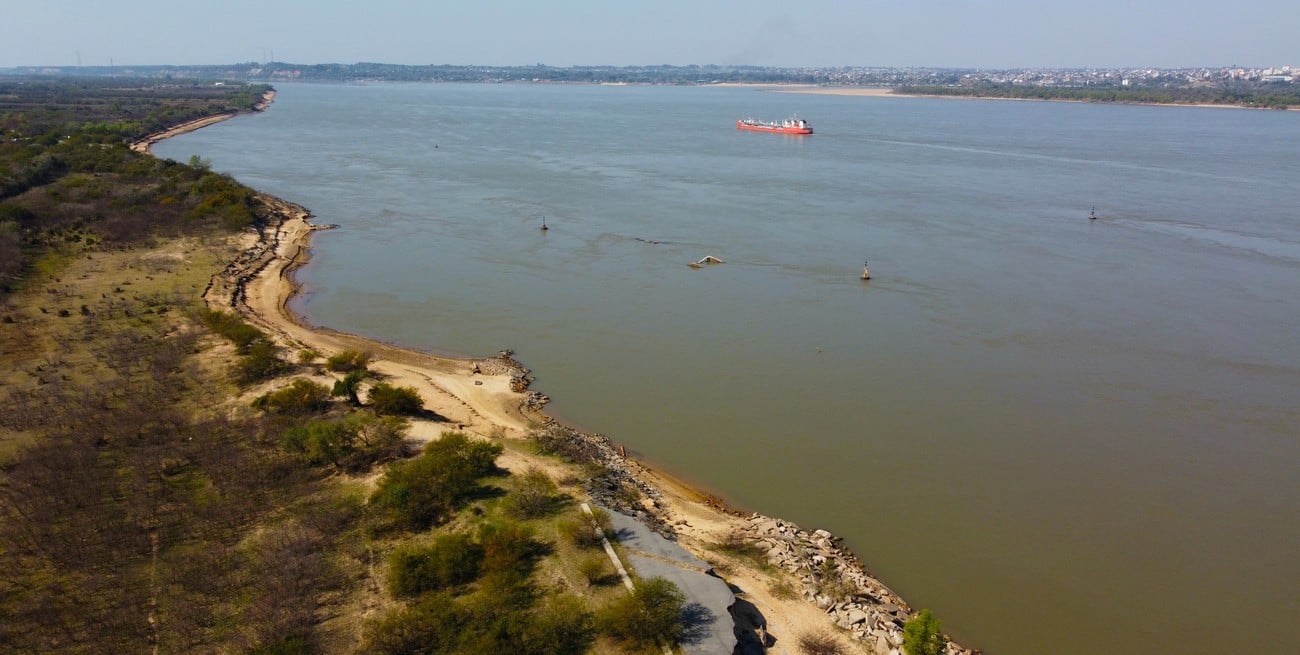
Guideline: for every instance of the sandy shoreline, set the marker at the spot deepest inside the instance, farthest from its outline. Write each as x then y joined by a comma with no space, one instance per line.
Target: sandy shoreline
489,398
145,145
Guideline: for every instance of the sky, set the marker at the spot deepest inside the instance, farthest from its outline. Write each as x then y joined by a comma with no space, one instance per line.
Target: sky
786,33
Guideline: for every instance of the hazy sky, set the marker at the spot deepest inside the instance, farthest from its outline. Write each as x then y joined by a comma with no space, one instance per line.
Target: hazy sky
951,33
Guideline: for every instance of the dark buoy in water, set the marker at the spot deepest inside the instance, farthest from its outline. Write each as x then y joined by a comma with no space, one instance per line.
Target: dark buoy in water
1092,215
866,272
544,228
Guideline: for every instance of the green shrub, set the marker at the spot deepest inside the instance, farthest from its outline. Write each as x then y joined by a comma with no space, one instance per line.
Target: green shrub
300,397
580,532
561,626
922,635
450,561
348,360
509,546
232,327
594,569
535,496
378,437
387,399
294,645
483,624
417,493
652,613
433,625
260,362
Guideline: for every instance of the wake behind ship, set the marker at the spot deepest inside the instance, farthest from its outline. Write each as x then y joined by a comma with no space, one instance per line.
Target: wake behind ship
794,125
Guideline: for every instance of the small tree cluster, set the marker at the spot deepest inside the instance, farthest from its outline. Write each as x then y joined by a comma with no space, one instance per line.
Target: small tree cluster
426,490
352,443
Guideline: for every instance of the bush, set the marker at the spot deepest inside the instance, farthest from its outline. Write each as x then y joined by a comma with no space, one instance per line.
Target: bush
594,569
509,548
580,532
922,635
353,443
652,613
535,496
425,490
387,399
300,397
232,327
450,561
561,626
378,437
819,643
483,624
348,360
260,362
320,442
434,625
295,645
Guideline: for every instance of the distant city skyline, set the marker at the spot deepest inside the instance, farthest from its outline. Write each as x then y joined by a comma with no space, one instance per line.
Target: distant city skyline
812,33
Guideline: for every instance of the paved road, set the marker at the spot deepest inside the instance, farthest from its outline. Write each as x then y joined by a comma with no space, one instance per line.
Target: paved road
711,630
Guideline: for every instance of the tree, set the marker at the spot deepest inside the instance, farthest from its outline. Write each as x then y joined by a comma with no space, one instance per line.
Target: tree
348,386
922,636
387,399
651,613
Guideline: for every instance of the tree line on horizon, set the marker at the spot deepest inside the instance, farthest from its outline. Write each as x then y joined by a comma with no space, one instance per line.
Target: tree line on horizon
1243,96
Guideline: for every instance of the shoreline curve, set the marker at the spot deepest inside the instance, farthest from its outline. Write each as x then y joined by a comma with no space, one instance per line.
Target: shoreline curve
489,397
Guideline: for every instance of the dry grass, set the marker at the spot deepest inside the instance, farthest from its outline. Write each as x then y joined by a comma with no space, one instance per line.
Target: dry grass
820,643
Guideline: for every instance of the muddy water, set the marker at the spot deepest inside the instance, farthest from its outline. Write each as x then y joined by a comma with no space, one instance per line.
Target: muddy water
1063,435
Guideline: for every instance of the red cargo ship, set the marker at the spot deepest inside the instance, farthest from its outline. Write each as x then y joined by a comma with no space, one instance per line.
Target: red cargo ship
794,125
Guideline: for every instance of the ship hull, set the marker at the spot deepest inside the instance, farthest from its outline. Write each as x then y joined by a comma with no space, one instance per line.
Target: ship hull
775,129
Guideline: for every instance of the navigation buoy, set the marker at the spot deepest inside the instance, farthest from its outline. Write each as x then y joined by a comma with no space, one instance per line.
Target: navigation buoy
1092,215
544,228
866,272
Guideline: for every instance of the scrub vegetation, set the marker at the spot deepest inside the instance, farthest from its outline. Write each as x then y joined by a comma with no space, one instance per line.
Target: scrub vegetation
170,481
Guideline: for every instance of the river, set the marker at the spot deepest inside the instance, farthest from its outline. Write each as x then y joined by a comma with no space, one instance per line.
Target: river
1062,435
